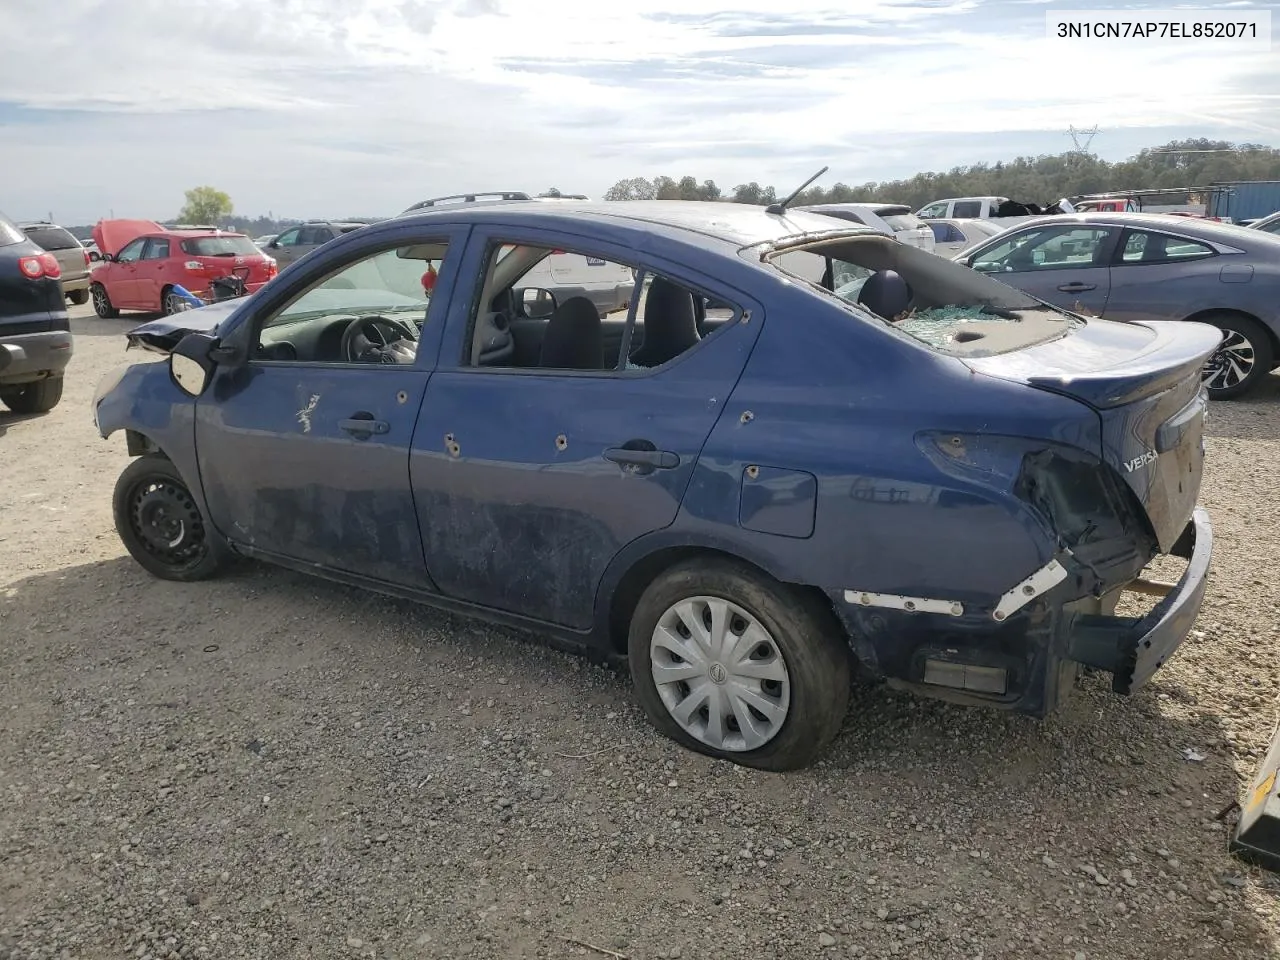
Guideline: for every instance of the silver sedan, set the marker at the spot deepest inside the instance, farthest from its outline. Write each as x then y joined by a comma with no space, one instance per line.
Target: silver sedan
1136,267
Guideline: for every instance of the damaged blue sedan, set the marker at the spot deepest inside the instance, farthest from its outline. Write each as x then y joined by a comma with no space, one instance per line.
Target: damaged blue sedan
803,449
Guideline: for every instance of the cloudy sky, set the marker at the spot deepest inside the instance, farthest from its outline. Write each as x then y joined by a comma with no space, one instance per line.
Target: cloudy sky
361,107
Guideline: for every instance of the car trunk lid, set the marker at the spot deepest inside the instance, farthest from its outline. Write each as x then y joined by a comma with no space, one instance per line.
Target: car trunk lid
1144,382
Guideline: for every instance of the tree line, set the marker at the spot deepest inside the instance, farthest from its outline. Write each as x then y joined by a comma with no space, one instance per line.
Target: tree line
1042,179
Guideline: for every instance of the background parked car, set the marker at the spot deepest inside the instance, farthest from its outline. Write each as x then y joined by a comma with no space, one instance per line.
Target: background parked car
71,255
147,261
35,332
1269,224
952,236
563,274
894,219
1154,267
296,242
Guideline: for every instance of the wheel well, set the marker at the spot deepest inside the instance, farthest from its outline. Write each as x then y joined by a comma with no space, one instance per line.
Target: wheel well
1271,334
139,444
637,579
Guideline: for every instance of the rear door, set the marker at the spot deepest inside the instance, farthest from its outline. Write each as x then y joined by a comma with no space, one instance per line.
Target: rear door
1063,264
1159,276
528,479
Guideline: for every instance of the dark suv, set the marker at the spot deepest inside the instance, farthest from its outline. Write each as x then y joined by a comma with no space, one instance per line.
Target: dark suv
35,333
72,257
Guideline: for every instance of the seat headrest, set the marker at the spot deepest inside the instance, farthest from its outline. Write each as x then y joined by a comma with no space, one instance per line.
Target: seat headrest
886,294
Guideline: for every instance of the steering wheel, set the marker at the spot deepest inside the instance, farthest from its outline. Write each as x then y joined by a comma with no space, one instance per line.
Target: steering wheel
373,339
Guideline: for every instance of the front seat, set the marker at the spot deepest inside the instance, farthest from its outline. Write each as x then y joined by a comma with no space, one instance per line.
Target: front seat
670,324
885,294
573,339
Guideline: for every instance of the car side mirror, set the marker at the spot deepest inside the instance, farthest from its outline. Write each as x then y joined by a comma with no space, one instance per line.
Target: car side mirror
535,303
274,244
192,362
94,256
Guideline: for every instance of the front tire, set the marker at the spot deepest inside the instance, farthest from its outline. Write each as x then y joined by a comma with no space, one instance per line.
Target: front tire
161,525
732,664
102,303
78,297
1244,357
38,397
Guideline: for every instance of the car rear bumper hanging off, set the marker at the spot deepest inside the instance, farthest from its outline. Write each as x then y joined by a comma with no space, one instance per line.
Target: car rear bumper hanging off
1132,649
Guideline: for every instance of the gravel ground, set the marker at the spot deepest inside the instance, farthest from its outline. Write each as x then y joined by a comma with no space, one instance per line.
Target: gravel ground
269,766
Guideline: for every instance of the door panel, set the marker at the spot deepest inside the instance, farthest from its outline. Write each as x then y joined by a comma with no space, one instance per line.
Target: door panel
1161,277
283,472
529,482
526,511
310,460
1064,265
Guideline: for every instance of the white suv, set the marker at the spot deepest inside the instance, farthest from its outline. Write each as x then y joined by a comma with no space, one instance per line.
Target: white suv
892,219
607,285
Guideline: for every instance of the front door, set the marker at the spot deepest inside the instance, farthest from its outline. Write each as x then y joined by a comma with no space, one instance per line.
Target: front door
538,457
122,275
304,448
153,273
1063,264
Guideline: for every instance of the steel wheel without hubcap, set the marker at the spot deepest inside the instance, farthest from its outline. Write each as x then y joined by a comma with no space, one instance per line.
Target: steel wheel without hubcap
720,674
166,522
1231,363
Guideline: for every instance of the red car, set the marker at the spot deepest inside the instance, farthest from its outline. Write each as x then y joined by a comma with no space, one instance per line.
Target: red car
143,261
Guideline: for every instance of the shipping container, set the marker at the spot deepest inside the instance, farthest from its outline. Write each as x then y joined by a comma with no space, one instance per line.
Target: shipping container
1244,199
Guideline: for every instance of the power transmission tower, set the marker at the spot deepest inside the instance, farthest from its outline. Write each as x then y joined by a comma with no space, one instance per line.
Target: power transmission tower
1085,135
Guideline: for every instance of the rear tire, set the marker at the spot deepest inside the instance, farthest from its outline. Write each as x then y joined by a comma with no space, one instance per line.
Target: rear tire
161,525
102,303
1245,356
783,692
38,397
169,304
78,297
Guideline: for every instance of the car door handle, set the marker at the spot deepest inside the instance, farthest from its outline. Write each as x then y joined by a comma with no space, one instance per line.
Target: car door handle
364,427
1077,287
653,459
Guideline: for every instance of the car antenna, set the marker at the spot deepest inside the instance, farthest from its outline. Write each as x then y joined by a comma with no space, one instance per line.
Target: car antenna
782,207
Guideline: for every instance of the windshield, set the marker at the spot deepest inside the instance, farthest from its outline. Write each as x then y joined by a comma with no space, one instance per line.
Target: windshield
935,301
8,232
220,247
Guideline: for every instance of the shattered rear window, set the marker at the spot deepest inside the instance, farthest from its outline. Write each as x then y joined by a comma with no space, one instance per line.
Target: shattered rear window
940,303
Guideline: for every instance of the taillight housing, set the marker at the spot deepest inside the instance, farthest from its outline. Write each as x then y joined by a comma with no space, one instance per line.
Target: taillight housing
86,256
272,269
44,265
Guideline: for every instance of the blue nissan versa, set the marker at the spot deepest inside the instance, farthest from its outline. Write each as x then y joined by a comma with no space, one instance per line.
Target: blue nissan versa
804,446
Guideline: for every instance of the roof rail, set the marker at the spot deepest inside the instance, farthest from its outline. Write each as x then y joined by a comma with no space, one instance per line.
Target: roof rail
471,198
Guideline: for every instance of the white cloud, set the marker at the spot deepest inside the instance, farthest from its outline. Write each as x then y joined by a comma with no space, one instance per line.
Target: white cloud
309,107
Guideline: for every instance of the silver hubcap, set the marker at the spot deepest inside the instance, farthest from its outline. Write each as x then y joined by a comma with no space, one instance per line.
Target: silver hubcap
720,674
1232,362
100,299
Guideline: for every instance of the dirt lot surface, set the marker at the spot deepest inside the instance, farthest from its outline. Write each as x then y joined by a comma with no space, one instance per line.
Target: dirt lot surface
270,766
